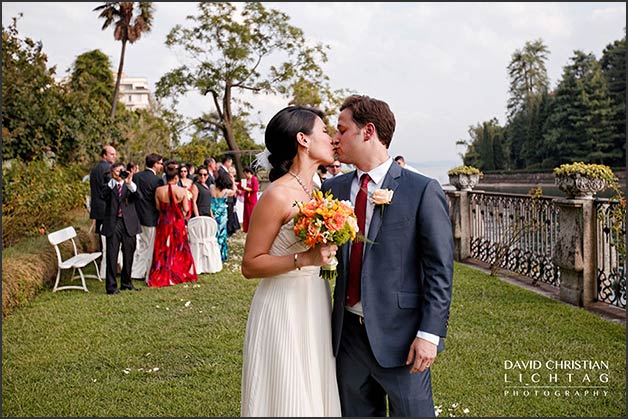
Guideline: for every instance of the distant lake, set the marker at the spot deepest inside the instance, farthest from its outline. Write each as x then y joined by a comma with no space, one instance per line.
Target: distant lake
548,189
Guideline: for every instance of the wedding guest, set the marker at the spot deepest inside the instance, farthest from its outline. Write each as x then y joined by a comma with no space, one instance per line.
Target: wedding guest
120,226
402,162
334,169
132,167
210,164
98,177
147,181
172,258
321,171
188,184
220,191
203,195
250,197
233,222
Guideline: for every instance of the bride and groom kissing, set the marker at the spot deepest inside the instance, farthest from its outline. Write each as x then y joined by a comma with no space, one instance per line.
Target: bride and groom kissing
393,291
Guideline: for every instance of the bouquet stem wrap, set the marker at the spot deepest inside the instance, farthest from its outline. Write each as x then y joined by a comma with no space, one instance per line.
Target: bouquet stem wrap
329,271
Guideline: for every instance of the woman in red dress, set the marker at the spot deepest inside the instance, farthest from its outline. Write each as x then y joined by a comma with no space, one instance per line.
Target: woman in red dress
250,197
172,258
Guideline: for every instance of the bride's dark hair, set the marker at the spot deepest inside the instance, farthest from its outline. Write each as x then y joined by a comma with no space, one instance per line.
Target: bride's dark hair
281,136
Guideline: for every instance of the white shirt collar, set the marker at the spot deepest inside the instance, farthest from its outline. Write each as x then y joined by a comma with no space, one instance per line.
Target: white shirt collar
377,174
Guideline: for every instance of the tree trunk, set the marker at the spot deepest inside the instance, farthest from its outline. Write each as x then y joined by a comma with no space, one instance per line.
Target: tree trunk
116,91
228,130
233,146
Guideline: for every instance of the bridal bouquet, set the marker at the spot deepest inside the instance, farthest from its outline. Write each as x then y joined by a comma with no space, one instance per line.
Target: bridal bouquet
325,220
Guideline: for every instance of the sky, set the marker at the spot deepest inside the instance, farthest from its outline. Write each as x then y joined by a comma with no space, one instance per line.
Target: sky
441,67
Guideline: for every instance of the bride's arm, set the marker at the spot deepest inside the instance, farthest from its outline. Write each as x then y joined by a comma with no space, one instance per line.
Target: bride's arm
270,213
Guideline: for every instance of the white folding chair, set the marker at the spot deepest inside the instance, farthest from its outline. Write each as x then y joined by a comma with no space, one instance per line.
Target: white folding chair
76,262
204,245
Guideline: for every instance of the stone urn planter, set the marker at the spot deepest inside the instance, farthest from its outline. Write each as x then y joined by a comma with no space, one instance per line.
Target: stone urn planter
464,178
579,186
581,180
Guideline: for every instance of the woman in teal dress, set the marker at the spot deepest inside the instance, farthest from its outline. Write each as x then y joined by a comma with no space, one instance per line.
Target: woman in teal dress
221,190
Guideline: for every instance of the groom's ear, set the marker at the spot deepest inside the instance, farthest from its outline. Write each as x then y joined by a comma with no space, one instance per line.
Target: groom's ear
369,130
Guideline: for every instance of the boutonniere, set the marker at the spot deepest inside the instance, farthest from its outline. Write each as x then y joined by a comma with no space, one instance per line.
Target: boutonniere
382,197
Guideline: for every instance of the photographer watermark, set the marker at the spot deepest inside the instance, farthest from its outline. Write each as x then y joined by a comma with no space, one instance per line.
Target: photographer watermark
556,378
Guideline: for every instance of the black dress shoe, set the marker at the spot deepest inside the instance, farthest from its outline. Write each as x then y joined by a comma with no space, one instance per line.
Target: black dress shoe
116,291
131,289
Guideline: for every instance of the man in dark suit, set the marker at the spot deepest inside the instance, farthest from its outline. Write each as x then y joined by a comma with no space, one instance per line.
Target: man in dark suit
147,181
210,164
393,291
120,226
99,176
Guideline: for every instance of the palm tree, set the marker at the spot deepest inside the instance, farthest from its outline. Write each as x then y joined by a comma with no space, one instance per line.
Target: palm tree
121,13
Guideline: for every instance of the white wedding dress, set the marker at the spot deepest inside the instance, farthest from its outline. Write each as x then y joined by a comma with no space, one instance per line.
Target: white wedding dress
288,364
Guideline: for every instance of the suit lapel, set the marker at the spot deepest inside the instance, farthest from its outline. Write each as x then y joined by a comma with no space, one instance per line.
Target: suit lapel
390,182
343,192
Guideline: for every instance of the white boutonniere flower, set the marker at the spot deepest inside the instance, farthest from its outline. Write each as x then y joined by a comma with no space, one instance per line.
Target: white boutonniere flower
382,197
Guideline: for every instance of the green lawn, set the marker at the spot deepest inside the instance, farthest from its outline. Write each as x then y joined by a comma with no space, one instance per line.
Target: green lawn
176,351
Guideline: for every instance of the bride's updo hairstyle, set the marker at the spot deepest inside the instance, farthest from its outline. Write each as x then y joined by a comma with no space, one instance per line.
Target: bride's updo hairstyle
281,136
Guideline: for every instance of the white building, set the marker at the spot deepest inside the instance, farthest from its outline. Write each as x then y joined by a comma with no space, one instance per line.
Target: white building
134,92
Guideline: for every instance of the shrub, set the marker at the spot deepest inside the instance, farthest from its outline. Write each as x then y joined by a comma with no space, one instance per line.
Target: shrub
597,171
464,170
38,197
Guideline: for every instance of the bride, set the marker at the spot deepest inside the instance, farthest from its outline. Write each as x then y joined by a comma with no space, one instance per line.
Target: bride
288,365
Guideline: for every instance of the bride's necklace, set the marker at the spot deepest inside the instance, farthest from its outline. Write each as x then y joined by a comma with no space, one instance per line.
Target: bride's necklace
305,188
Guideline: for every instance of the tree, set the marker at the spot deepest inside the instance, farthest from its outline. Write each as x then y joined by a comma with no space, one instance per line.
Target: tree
577,128
228,55
528,86
30,99
208,141
85,124
613,63
485,149
125,30
528,77
144,132
308,93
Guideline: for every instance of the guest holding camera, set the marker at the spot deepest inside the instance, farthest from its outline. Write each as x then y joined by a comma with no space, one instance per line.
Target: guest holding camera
120,226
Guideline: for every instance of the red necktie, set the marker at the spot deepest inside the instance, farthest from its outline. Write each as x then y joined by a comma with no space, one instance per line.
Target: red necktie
119,200
355,259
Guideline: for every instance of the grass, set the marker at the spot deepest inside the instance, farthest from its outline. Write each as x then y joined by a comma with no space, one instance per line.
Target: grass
177,351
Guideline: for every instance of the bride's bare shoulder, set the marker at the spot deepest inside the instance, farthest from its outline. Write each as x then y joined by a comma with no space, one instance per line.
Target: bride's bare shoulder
275,194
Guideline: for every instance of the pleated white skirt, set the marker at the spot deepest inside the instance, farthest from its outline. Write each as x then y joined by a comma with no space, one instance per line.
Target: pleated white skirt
288,364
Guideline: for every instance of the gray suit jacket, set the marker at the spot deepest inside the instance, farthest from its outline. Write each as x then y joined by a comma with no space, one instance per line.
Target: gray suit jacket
407,268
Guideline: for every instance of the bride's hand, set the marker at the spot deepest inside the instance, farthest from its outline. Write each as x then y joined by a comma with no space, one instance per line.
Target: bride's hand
322,255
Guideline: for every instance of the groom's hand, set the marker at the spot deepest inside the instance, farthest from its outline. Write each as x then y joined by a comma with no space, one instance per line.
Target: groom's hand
422,354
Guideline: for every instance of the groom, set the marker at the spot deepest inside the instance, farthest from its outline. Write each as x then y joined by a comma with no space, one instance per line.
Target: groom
392,295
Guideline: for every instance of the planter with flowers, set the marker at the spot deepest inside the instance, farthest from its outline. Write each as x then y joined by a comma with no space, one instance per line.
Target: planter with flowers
464,178
583,180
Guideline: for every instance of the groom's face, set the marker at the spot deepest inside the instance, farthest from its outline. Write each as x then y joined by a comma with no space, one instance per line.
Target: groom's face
349,138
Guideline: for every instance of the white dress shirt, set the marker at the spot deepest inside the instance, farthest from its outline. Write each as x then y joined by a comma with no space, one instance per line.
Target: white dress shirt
114,183
377,175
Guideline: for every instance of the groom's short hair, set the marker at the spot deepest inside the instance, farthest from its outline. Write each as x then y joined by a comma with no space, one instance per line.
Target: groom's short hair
366,109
